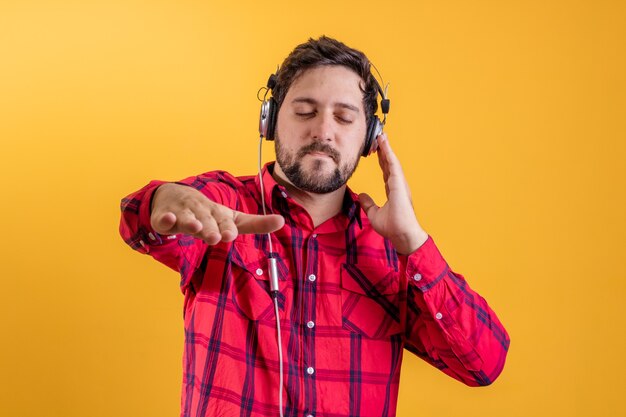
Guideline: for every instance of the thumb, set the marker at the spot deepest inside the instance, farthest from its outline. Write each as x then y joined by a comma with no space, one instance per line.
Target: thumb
257,223
368,204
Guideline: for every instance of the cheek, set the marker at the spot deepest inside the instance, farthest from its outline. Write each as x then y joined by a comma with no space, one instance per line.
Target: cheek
350,156
289,132
359,142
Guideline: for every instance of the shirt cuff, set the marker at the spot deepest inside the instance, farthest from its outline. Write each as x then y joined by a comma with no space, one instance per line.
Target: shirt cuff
426,266
147,236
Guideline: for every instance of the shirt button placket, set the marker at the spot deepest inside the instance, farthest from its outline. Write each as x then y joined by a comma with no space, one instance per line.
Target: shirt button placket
309,313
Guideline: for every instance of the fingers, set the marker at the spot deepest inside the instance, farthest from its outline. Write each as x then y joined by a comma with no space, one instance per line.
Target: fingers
251,223
163,223
186,222
393,174
170,223
181,209
386,157
226,224
214,223
228,230
209,232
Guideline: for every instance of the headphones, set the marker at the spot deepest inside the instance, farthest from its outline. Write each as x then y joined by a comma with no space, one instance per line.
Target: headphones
269,114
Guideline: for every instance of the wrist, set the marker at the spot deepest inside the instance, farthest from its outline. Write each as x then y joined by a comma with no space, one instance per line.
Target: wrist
409,243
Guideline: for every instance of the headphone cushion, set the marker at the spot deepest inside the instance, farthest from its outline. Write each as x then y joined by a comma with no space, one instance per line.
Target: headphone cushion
370,138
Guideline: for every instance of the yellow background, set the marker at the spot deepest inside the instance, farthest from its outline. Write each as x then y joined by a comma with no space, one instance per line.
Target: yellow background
508,116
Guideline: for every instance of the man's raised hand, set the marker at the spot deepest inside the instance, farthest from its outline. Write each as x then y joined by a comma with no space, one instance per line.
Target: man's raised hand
396,219
181,209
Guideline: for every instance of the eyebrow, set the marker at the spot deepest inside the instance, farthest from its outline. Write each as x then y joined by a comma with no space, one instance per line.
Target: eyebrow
309,100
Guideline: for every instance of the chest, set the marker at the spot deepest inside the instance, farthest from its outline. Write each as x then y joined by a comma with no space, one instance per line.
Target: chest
335,282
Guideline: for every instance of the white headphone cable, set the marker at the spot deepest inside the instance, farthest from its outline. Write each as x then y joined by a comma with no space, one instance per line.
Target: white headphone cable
273,273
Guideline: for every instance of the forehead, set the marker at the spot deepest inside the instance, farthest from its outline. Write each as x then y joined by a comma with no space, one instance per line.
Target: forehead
327,83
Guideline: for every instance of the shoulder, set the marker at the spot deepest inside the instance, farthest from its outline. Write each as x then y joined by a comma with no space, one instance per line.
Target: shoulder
218,178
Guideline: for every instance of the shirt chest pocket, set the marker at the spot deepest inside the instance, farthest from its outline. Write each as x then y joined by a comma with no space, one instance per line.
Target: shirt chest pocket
251,284
373,302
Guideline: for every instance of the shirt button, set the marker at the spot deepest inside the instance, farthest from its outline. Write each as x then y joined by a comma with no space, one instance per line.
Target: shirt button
259,271
309,415
417,277
284,194
314,236
310,325
438,316
312,277
310,370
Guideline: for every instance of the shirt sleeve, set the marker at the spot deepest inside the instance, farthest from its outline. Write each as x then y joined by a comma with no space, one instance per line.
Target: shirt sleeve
182,253
448,324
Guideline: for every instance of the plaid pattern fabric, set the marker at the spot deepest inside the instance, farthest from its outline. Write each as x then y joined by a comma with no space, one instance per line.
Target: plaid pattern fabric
348,305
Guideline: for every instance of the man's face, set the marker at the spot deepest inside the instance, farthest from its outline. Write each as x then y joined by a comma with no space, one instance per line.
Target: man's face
320,130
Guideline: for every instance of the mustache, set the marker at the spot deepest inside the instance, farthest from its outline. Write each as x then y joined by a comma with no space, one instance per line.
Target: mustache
319,147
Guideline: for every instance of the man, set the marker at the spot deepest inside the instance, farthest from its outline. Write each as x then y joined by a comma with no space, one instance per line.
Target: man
357,283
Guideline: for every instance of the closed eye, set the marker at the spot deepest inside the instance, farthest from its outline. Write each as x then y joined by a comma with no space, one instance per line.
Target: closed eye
307,115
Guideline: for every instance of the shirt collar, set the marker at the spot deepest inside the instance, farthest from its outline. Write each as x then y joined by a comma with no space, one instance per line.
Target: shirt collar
350,208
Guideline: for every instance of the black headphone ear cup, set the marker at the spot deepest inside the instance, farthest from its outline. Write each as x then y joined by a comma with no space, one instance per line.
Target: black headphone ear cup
272,113
373,130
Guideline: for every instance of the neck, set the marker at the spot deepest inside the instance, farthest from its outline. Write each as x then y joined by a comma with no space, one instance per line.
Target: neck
320,207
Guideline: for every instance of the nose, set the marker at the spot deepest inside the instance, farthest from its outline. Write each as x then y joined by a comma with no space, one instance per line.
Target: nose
322,127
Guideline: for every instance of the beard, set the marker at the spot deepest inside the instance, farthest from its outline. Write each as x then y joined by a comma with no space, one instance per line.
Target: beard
314,180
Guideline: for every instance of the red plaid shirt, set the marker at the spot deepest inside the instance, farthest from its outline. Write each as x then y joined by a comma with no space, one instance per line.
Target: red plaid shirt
348,305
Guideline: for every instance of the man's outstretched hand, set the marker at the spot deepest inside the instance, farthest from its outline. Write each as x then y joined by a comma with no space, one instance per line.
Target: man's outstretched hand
181,209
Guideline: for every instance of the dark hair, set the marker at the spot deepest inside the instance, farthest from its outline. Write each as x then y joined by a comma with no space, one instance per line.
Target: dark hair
327,51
